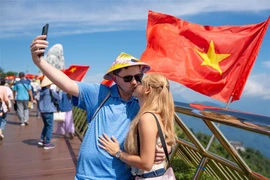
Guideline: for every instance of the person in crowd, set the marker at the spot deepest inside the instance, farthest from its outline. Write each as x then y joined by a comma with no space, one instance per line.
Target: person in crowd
47,108
4,107
2,116
11,85
66,128
154,96
36,89
22,92
113,118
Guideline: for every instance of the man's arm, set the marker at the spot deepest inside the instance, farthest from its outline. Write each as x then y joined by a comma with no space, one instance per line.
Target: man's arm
14,95
160,154
60,79
31,95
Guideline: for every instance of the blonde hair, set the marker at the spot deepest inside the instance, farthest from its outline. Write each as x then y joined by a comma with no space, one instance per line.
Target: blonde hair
158,101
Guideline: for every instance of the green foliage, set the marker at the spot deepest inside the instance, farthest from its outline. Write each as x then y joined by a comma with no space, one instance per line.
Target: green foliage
179,132
254,159
2,73
181,169
9,73
184,171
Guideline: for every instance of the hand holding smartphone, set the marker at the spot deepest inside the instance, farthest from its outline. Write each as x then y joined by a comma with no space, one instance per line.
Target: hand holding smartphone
45,32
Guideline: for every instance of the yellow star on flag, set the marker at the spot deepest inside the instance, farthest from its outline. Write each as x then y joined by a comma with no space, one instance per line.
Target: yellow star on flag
211,58
72,70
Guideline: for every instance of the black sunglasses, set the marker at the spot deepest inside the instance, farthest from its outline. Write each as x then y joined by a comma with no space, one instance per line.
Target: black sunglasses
128,78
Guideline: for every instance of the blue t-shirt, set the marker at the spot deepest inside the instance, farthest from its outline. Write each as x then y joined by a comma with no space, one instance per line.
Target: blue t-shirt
65,103
113,119
21,87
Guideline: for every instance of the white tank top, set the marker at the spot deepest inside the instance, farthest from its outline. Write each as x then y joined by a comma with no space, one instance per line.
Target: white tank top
136,171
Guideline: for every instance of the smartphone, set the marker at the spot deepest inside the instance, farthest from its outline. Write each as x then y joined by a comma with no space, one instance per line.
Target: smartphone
45,32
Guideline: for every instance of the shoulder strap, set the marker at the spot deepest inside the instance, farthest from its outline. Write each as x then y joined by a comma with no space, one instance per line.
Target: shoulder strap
160,133
1,105
101,104
54,101
23,85
80,135
25,88
52,98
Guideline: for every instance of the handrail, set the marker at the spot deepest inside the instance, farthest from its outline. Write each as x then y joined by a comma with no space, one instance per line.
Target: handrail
206,161
209,114
248,121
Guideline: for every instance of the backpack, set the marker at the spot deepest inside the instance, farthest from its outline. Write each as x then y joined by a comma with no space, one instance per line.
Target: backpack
55,101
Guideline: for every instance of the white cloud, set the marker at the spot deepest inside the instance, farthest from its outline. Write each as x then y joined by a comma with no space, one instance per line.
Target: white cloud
266,64
184,94
95,78
23,17
258,86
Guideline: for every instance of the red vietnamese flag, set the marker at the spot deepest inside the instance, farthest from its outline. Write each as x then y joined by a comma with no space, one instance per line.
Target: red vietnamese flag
214,61
10,77
107,82
76,72
31,76
40,77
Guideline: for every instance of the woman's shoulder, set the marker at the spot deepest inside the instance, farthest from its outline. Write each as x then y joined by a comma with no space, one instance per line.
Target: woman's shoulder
147,118
149,115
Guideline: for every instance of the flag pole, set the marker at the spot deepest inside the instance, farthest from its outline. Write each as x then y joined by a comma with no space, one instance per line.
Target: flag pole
213,136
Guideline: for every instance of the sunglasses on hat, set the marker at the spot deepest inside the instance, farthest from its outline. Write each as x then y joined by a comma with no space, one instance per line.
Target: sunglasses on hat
128,78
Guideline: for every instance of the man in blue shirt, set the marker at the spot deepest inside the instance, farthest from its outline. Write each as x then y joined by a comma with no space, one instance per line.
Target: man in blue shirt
113,118
22,91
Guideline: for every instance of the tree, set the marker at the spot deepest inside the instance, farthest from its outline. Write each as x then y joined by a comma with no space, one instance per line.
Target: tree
2,73
9,73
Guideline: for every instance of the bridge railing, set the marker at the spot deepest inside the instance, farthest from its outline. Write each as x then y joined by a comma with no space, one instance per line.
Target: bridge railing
193,152
207,162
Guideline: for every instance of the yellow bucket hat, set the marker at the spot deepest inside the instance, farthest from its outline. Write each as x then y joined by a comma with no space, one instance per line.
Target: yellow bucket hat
125,60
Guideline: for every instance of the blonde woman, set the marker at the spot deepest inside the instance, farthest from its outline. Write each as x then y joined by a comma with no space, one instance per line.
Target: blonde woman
154,96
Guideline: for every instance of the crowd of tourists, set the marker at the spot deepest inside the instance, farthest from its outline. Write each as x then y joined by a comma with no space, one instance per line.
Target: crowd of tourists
23,95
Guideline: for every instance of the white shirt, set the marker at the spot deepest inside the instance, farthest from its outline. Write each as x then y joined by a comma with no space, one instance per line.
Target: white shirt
36,86
10,97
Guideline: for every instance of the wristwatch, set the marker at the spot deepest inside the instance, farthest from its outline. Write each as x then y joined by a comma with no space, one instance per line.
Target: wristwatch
118,154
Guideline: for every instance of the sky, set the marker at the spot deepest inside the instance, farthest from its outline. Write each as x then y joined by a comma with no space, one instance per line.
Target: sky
94,33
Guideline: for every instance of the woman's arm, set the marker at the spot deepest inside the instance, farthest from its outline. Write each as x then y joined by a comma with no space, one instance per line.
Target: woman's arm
5,99
148,134
56,76
10,93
